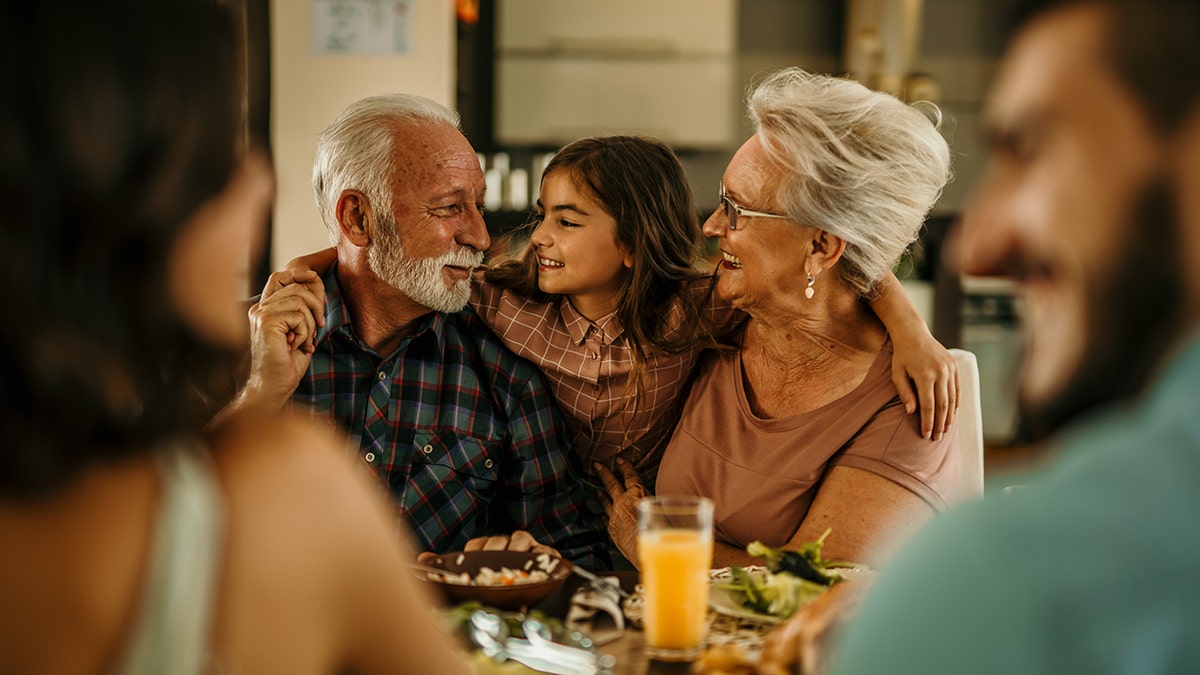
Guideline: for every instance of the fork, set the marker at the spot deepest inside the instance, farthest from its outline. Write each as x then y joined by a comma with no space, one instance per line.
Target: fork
601,583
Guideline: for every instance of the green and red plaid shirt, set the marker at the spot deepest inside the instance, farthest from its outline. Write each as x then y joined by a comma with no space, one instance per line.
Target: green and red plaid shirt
465,434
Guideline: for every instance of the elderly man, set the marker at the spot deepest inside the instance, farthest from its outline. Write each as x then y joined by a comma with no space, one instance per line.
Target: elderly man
1092,202
465,435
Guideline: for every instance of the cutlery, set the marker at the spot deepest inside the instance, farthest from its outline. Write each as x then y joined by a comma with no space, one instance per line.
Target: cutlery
601,582
490,633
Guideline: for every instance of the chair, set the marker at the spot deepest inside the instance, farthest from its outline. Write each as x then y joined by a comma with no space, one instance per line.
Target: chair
970,425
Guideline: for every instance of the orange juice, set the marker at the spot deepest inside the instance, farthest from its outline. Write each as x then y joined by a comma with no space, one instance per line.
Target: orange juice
674,569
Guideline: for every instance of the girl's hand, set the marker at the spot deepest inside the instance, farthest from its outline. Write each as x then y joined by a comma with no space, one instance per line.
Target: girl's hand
926,375
621,506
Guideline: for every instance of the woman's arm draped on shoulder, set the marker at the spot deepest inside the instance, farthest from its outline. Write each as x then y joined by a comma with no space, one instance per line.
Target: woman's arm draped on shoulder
924,372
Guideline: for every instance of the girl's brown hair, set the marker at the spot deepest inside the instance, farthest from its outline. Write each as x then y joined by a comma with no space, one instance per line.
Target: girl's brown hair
641,184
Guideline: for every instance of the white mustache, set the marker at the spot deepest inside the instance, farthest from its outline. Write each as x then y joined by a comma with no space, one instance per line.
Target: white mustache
462,258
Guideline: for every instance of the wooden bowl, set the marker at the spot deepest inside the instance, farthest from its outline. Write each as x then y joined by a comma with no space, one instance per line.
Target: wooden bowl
514,597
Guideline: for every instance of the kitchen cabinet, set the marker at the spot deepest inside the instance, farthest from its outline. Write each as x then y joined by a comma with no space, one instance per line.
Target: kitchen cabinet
572,68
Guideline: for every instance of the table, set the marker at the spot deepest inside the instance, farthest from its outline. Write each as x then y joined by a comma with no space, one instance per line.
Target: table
629,649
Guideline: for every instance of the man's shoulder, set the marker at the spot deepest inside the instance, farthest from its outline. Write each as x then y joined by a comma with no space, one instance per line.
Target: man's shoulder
468,333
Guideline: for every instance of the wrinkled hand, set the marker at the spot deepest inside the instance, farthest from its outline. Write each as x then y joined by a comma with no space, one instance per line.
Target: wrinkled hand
517,541
926,375
621,505
312,281
282,326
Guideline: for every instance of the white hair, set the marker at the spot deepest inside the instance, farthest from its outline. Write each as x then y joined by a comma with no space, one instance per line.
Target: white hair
356,151
856,163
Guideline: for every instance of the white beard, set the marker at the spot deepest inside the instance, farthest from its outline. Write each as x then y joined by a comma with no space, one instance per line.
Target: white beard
421,278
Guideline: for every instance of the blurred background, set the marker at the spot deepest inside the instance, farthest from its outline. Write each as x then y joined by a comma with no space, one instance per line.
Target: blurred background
530,75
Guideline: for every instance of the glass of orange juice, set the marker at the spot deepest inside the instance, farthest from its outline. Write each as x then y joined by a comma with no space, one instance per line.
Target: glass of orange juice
675,547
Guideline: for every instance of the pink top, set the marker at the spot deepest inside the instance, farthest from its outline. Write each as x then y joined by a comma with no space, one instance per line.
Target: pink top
588,364
762,474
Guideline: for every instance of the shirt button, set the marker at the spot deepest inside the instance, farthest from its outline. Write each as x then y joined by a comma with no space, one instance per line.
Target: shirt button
488,463
595,356
427,449
595,387
382,376
370,457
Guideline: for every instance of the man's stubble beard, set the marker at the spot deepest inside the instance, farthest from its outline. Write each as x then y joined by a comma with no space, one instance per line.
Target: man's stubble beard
421,278
1134,313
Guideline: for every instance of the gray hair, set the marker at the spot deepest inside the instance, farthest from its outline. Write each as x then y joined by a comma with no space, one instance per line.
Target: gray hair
356,151
858,164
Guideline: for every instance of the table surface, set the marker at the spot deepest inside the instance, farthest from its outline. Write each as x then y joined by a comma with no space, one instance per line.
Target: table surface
629,649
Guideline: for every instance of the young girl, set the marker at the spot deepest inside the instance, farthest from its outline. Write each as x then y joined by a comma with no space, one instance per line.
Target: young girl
608,299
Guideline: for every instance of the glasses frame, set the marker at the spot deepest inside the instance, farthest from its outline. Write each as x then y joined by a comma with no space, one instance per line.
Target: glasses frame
733,210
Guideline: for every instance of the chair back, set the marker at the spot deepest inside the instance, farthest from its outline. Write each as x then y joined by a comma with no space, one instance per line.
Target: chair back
970,425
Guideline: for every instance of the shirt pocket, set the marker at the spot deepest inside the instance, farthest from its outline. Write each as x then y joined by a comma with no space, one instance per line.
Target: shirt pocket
449,456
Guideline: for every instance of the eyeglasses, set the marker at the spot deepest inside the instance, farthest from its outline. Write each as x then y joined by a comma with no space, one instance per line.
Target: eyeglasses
732,211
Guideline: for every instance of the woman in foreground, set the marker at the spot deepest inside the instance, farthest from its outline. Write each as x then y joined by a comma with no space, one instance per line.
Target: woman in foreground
135,541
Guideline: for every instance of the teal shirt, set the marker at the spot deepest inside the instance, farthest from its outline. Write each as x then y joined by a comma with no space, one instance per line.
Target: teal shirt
1094,567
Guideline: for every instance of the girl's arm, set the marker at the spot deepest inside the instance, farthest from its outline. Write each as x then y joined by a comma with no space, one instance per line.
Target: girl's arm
922,369
321,261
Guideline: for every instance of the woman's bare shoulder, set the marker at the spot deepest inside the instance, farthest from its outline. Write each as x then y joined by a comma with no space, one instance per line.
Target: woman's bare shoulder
313,550
290,467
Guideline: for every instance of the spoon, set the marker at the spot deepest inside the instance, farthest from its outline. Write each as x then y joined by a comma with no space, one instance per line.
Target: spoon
541,637
491,634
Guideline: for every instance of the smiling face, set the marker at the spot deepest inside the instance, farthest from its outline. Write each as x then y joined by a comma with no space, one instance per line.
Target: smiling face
576,246
765,261
1074,208
435,235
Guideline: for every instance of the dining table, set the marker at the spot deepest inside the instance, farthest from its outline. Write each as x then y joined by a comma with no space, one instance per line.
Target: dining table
628,651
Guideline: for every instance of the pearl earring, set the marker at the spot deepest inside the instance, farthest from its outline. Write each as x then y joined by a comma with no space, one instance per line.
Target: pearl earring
809,292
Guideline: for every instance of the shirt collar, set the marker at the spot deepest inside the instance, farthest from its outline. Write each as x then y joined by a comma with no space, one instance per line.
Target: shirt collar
337,318
579,326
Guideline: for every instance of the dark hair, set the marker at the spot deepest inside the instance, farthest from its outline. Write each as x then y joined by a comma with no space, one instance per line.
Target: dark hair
117,121
641,184
1152,48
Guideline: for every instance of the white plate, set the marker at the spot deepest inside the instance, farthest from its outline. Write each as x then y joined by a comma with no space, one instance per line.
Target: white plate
729,603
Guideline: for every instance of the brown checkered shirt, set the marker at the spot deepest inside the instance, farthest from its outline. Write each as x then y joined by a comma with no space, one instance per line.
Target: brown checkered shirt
588,364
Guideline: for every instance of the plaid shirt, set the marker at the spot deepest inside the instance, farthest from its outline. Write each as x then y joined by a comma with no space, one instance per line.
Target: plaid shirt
465,434
588,365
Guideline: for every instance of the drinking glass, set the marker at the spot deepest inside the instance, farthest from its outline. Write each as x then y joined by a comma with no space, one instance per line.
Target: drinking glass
675,549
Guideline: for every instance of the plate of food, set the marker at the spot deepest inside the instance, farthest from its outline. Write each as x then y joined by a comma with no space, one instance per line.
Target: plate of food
728,600
508,580
771,593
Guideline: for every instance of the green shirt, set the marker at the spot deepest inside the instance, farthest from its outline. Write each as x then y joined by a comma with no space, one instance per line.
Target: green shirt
1093,567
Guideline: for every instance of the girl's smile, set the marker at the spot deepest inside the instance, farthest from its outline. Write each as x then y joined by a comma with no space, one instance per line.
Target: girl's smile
578,254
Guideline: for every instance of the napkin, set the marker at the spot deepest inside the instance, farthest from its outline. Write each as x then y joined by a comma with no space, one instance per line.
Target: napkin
596,612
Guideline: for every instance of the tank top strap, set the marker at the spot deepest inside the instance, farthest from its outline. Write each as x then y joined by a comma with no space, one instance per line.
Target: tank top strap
172,631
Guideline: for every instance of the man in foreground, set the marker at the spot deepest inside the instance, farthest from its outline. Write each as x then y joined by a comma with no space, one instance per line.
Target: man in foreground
1092,203
465,435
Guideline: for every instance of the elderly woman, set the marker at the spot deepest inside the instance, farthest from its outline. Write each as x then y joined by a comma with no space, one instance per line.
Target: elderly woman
800,428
